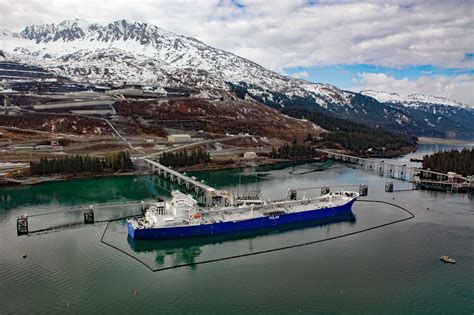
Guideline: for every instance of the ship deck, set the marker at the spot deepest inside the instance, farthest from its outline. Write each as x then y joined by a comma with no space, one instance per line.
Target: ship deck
235,214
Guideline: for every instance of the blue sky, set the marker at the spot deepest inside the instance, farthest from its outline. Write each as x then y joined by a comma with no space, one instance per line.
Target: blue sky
347,76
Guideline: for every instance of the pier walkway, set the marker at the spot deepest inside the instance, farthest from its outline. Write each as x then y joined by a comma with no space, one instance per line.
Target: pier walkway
212,196
420,178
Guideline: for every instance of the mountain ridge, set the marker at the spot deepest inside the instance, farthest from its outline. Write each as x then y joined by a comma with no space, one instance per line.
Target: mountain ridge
412,99
124,52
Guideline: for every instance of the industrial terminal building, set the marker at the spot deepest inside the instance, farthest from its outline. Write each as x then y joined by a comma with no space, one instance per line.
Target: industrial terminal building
179,138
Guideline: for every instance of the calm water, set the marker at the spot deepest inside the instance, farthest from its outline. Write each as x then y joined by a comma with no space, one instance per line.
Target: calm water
394,269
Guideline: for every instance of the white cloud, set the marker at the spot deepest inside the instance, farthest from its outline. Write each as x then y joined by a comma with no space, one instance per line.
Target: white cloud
280,34
283,34
459,88
300,74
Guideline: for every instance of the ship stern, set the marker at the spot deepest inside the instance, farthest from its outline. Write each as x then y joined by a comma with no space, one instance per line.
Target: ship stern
131,230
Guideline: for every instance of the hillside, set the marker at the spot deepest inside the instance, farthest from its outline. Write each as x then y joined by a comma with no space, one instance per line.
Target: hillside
124,52
360,139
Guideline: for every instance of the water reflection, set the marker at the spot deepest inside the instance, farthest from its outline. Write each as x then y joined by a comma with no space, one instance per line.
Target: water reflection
79,191
185,251
317,167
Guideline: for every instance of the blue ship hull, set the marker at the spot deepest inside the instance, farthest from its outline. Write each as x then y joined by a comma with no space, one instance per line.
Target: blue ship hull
236,226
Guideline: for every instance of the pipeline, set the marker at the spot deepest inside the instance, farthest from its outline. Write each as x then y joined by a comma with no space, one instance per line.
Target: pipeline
58,228
329,186
81,208
402,190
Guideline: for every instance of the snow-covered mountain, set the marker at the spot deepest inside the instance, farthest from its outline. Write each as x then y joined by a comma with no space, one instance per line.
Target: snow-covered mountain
437,112
129,52
413,100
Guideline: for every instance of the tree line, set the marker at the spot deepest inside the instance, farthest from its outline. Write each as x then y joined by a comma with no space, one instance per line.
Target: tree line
293,151
183,158
461,162
117,161
353,136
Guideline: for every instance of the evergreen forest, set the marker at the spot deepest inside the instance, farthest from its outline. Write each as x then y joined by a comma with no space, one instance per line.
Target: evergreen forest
117,161
183,158
353,136
461,162
293,151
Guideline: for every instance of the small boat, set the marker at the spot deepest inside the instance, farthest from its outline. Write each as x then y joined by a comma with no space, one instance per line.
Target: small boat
448,259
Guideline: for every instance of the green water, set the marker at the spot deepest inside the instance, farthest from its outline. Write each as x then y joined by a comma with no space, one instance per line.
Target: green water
394,269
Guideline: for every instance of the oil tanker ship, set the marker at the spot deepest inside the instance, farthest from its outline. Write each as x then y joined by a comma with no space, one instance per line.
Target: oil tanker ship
183,218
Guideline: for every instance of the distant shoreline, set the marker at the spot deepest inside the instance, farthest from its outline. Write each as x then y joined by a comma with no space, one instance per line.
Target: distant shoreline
428,140
35,180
